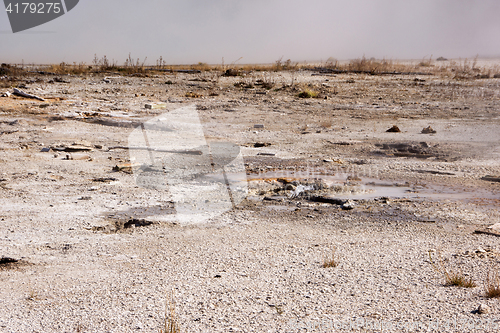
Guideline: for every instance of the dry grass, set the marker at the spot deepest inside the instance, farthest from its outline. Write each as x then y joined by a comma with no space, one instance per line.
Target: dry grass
64,68
457,278
460,70
170,323
329,260
375,66
308,93
326,124
492,285
10,75
191,94
451,277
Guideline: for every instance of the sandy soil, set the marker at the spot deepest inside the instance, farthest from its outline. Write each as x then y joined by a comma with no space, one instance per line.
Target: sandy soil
94,255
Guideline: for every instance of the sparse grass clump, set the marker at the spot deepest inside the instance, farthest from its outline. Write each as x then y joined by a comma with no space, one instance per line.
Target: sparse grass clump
457,278
374,66
10,75
170,323
326,124
492,285
452,277
330,261
308,94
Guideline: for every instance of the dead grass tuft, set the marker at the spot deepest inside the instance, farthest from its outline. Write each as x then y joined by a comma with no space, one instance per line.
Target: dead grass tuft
451,277
374,66
457,278
330,261
492,285
326,124
170,323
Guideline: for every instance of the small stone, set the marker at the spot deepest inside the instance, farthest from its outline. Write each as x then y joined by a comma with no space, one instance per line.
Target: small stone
44,150
394,129
480,250
348,205
483,308
495,226
428,130
77,156
231,72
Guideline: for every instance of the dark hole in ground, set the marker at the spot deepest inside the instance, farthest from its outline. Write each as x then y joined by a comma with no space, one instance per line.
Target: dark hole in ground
104,179
7,260
133,223
122,225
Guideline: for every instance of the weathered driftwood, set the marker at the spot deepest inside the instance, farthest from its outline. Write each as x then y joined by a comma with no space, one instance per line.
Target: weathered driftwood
22,93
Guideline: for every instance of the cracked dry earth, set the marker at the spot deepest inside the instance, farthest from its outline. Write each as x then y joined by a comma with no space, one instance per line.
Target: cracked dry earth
83,250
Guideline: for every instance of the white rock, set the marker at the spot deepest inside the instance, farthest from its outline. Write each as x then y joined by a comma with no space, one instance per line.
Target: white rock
495,226
483,308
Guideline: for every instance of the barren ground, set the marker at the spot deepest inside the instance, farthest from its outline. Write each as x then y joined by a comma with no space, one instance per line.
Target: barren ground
259,267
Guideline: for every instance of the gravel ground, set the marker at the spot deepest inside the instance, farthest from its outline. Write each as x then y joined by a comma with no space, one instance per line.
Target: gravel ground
95,254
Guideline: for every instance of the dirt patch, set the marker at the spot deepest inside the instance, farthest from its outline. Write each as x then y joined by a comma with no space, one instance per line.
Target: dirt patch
420,150
123,225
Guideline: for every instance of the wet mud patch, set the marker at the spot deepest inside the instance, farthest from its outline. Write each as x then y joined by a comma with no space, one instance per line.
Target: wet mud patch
318,187
117,226
136,217
143,212
421,150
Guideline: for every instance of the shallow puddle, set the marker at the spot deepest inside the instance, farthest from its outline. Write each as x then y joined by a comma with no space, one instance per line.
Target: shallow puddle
370,188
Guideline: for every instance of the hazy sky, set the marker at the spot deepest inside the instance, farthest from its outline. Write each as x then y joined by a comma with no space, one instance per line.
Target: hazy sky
191,31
